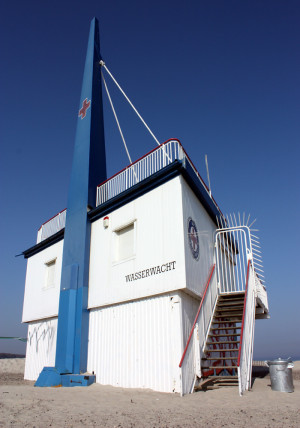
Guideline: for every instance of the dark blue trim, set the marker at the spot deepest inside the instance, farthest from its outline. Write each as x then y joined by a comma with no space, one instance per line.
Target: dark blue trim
200,191
155,180
169,172
174,169
44,244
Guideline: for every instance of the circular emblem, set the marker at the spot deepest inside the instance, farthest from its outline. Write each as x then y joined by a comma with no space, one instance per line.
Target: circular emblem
193,238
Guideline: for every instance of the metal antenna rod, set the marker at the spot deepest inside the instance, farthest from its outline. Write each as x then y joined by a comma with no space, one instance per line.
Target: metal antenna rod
207,171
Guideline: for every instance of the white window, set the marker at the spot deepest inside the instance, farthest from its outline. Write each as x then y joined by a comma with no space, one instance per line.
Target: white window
50,273
125,242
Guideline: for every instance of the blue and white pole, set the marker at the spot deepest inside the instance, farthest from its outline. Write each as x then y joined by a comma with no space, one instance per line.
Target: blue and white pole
88,170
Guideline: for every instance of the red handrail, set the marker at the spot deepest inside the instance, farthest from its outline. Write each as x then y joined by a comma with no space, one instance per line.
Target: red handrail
244,311
200,306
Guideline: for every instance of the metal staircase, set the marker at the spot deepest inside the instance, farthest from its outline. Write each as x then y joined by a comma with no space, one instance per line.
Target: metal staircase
222,334
220,359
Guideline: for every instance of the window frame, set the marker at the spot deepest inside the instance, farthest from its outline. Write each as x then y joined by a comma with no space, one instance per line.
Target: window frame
48,264
115,253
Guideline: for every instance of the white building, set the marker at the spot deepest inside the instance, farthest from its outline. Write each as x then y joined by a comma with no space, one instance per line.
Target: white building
147,285
152,253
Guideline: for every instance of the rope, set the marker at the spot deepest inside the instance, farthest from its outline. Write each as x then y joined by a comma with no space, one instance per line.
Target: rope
102,63
116,117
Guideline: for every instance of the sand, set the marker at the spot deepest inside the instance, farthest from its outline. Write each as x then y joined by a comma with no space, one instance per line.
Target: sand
23,405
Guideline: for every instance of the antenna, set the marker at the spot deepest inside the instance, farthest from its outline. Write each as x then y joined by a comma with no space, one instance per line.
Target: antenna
207,171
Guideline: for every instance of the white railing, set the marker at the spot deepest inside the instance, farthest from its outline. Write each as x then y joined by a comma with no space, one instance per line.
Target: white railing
151,163
261,294
235,272
206,316
198,335
143,168
52,226
139,170
233,245
245,355
237,262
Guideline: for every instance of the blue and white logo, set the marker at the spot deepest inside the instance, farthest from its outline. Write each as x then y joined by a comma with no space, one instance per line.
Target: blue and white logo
193,238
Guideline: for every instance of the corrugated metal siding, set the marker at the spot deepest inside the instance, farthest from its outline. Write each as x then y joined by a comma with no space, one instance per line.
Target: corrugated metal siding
189,307
41,347
158,240
137,344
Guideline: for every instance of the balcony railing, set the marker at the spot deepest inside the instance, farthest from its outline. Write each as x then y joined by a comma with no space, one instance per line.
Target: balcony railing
52,226
143,168
138,171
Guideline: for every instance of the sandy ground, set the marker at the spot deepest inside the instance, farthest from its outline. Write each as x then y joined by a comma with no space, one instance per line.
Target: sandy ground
23,405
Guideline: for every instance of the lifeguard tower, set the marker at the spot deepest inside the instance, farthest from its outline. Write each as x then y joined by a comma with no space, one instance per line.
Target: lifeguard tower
142,281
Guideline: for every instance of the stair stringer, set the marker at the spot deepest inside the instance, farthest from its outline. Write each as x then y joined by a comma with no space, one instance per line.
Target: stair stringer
200,345
247,335
198,335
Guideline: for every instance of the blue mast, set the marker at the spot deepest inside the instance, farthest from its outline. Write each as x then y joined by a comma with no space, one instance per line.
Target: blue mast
88,170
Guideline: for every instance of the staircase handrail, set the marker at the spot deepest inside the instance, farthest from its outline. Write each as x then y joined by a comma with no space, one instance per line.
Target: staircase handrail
197,315
244,312
244,363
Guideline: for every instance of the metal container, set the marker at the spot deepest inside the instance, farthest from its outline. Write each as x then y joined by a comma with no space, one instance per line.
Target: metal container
281,375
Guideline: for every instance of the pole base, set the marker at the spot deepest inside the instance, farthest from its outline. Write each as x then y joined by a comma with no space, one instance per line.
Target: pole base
50,376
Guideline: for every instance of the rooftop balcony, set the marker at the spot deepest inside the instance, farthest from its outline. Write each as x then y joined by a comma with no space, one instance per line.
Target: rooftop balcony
151,163
52,226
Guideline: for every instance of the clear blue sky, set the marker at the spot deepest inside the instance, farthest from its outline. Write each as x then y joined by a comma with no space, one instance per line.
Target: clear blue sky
222,76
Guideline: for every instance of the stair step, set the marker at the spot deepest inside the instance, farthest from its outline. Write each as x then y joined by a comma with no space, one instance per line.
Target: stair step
230,295
217,358
228,309
235,303
228,318
227,328
239,298
223,322
224,335
223,342
210,351
228,314
219,367
233,377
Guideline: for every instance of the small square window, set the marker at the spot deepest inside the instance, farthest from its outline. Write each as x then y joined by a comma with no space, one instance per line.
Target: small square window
50,274
125,242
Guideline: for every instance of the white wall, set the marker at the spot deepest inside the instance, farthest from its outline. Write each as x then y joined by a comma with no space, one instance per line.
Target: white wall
159,241
39,301
197,271
137,344
189,307
41,347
